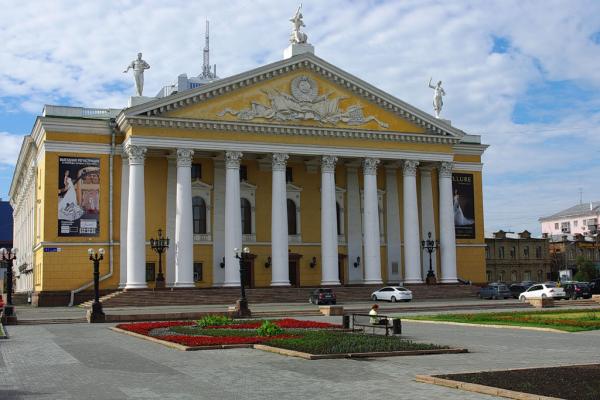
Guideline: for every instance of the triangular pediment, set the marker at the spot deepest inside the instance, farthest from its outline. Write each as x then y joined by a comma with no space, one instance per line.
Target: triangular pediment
301,91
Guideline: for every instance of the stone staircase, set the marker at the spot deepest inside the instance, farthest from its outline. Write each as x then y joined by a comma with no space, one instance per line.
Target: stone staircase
168,297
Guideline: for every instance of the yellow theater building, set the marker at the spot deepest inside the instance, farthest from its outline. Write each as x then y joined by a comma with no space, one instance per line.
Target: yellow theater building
325,178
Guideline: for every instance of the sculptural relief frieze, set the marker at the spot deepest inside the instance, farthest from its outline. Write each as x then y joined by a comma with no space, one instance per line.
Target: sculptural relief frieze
304,103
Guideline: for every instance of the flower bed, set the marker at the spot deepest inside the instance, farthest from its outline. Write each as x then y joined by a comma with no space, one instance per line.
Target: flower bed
193,341
144,328
286,323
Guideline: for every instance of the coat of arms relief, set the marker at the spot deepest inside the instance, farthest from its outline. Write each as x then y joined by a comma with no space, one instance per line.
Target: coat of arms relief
302,104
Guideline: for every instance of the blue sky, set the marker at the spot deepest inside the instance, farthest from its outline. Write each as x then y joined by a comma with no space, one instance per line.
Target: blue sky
524,75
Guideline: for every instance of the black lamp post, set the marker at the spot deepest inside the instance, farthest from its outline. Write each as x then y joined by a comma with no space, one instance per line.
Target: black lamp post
241,306
7,257
430,245
159,246
96,314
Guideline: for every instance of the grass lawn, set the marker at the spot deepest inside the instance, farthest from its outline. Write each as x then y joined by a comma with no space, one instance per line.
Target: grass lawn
2,330
564,320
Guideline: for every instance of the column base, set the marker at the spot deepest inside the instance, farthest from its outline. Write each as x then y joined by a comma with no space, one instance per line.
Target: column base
330,283
177,285
449,280
134,285
373,282
414,281
121,286
231,284
282,283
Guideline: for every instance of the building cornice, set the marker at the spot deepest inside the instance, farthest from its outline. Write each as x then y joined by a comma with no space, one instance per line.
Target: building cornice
470,149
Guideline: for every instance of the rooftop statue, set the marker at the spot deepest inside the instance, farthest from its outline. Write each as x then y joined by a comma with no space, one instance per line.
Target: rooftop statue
297,36
437,97
138,65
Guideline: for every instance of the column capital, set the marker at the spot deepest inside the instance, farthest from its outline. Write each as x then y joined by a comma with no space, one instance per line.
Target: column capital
184,157
409,167
279,161
445,169
370,166
328,163
232,159
136,154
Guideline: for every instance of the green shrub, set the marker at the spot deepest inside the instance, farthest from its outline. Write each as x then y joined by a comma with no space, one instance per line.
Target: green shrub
269,329
214,320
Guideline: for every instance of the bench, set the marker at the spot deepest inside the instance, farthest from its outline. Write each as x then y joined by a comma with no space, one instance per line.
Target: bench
366,321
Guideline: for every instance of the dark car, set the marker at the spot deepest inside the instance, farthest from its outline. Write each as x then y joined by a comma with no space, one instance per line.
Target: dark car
576,290
322,296
517,288
495,291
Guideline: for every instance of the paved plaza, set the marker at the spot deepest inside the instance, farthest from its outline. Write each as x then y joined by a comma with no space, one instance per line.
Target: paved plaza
77,361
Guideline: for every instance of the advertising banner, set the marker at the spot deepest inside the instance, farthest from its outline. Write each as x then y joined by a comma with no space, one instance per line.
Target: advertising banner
78,196
464,206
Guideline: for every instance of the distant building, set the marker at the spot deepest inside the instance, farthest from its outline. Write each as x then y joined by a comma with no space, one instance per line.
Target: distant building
518,257
580,219
565,250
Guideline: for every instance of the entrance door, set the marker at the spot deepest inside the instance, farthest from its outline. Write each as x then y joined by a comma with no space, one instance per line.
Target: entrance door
342,268
294,269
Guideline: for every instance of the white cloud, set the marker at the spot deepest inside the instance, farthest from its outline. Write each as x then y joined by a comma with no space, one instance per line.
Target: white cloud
73,50
10,145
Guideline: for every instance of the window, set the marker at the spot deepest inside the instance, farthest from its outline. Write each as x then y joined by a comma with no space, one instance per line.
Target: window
501,252
196,172
556,225
487,252
199,215
150,272
513,276
488,276
526,251
575,223
338,218
197,271
501,276
243,173
513,252
246,217
291,217
538,252
565,227
540,275
289,177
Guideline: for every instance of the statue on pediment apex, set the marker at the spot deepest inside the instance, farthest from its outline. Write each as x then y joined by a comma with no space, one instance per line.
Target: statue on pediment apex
297,36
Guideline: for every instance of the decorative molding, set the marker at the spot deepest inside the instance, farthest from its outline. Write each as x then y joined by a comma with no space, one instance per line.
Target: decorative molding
232,159
74,147
328,164
136,154
409,167
463,166
184,157
303,104
370,166
279,161
445,170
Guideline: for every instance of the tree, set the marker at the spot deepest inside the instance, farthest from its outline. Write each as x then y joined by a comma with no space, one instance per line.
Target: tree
585,270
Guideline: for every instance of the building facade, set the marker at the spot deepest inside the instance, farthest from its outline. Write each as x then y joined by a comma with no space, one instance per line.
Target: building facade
327,179
516,258
565,251
581,219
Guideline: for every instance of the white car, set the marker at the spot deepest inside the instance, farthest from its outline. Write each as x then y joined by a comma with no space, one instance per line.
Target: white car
392,293
543,290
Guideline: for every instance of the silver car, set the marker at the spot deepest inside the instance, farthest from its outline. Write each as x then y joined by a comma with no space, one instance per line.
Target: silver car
392,293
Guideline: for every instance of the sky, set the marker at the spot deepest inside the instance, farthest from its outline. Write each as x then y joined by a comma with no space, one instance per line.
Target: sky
522,74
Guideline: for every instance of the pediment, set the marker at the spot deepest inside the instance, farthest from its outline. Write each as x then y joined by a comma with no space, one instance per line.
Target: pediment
290,187
301,91
199,185
245,185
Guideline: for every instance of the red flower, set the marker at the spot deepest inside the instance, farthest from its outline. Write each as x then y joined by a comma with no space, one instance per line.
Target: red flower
286,323
219,340
144,328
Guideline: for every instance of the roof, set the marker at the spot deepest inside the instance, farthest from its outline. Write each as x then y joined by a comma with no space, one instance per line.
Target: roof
6,222
592,207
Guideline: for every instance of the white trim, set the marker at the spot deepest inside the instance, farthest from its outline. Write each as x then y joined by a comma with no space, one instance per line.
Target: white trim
72,125
470,245
467,166
316,150
52,146
470,149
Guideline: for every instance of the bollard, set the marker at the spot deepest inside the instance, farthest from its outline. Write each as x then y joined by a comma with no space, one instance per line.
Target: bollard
346,321
396,326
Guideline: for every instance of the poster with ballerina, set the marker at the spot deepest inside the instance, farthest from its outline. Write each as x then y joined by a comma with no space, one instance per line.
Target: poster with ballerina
464,206
78,196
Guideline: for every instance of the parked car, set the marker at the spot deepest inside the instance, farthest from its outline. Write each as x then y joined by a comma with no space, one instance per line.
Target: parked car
595,286
543,290
576,290
494,291
322,296
392,293
517,288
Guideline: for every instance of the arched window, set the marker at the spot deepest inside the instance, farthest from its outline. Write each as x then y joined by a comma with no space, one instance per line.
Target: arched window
291,217
199,215
513,276
338,218
246,217
540,275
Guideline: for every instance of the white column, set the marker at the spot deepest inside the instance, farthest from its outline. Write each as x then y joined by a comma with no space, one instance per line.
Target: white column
218,230
447,233
329,246
123,221
279,223
371,223
171,207
427,218
355,275
136,219
233,217
184,231
412,246
394,248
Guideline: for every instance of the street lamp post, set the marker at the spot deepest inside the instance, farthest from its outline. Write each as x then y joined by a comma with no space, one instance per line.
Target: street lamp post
430,245
7,257
96,314
159,246
241,306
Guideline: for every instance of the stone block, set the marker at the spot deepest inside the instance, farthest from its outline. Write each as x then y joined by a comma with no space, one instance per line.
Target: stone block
331,310
542,303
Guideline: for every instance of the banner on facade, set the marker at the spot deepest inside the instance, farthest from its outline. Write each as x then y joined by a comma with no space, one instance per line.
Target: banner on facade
78,196
464,206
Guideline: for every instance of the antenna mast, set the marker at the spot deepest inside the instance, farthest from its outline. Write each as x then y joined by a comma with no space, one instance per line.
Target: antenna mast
206,73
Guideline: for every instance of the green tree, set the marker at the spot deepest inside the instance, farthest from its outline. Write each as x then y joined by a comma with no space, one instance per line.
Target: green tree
585,270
